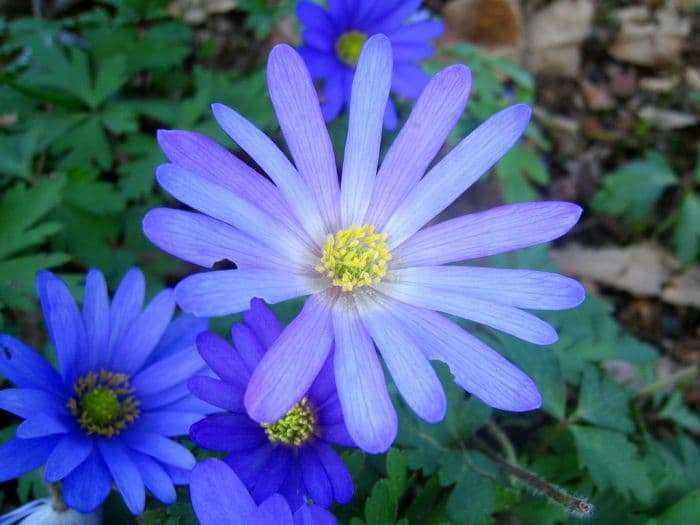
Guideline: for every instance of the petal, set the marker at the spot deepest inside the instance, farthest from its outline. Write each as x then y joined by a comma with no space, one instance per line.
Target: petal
477,368
337,434
315,477
276,165
487,233
412,373
333,95
159,447
323,386
230,291
217,393
125,474
19,456
505,318
95,317
273,474
313,15
458,170
166,423
262,322
223,359
144,332
228,433
88,485
205,241
248,465
338,475
369,415
433,117
274,510
43,424
391,117
248,345
126,305
403,81
291,364
154,477
296,104
519,288
64,324
370,90
26,368
70,452
321,65
168,372
397,16
313,515
409,79
26,402
417,32
181,333
218,496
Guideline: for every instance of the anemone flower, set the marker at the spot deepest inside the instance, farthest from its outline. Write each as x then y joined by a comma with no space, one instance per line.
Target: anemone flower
374,273
292,456
220,498
119,393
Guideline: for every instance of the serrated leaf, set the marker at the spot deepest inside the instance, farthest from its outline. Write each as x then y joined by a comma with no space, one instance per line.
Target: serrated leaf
631,192
603,402
84,191
472,500
17,278
137,173
612,461
110,75
686,235
85,144
381,507
17,153
687,510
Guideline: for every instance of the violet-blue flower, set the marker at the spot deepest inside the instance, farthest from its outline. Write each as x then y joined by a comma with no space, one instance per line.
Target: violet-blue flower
375,273
333,38
220,498
106,416
292,456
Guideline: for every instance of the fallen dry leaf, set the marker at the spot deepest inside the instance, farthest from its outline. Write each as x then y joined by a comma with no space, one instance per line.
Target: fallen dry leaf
684,289
597,97
666,118
554,36
659,84
197,11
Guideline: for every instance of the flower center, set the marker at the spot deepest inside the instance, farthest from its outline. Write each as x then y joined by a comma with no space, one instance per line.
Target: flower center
295,428
348,47
104,403
354,257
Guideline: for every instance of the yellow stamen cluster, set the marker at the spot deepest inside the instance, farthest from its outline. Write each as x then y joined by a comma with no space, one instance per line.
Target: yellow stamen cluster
104,403
349,46
295,428
354,257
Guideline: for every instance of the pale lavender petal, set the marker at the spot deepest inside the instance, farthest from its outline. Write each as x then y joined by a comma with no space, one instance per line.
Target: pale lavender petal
296,104
95,317
460,168
369,415
291,364
487,233
370,90
505,318
433,117
519,288
230,291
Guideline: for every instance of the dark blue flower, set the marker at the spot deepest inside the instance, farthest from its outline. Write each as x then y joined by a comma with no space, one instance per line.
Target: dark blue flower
333,39
220,498
119,393
292,456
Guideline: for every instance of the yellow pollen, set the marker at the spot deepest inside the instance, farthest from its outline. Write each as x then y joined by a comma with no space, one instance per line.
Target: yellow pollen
349,46
295,428
354,257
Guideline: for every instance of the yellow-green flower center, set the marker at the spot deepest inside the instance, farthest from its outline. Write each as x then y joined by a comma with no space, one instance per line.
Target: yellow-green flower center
354,257
295,428
104,403
348,47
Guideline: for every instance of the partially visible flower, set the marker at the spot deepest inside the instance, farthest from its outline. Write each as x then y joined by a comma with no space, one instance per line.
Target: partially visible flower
377,276
292,456
42,512
220,498
120,392
333,39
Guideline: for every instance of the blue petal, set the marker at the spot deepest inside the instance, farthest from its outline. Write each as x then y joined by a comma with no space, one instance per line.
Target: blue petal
95,317
26,402
315,477
313,515
126,475
248,465
273,474
42,424
228,433
166,423
19,456
26,368
223,359
70,452
159,447
88,485
338,475
154,477
274,511
217,393
181,333
126,305
262,322
218,496
168,372
248,345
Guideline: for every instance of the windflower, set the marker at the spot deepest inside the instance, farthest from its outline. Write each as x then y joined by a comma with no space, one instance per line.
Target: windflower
374,272
119,393
42,512
220,498
291,456
333,38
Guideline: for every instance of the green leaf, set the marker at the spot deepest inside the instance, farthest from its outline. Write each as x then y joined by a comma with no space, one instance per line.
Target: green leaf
17,153
17,278
472,500
686,235
84,145
382,506
84,191
676,411
603,402
612,461
687,510
631,191
514,171
137,173
110,76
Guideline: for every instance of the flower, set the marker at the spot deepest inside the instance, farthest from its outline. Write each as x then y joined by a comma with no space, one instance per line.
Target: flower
291,456
42,512
333,39
119,393
220,498
360,249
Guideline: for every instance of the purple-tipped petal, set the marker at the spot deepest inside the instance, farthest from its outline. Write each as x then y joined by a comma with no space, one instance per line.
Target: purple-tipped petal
262,322
501,317
126,306
230,291
95,318
218,393
218,496
248,345
497,230
26,368
69,453
248,465
228,433
19,456
155,478
125,474
460,168
370,90
412,373
291,364
296,104
518,288
433,117
88,485
223,359
369,415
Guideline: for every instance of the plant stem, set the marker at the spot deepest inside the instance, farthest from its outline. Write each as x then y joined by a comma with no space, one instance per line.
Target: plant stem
57,502
684,373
